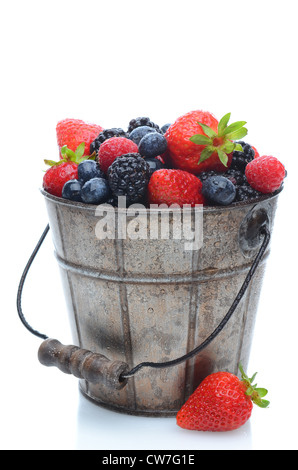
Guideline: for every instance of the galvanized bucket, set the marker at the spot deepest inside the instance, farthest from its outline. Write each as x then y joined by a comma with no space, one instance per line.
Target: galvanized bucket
134,300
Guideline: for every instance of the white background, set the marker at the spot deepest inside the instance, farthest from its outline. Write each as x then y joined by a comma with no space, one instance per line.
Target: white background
108,62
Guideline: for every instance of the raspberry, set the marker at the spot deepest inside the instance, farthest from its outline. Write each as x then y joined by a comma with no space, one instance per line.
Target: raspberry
265,174
104,135
112,148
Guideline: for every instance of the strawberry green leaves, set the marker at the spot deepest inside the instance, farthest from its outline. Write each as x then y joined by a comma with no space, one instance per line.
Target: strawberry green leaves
210,132
222,156
206,153
69,155
222,141
200,139
223,123
256,394
74,156
233,130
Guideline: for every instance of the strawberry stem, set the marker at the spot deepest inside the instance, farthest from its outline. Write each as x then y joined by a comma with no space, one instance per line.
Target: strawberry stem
69,155
222,141
256,394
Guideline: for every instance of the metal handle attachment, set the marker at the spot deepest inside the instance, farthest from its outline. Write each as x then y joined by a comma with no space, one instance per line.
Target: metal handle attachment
83,364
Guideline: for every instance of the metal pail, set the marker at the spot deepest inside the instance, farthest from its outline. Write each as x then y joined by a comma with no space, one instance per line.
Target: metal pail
135,300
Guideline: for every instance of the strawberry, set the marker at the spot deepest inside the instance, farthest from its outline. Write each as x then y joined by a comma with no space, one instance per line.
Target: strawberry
168,186
64,170
72,132
112,148
56,176
222,402
265,173
198,142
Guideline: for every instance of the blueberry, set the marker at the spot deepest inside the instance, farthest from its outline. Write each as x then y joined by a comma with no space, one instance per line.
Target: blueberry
72,190
152,145
154,164
138,133
165,127
95,191
89,169
219,190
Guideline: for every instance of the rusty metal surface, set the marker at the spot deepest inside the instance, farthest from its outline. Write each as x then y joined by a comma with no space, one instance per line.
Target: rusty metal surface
150,300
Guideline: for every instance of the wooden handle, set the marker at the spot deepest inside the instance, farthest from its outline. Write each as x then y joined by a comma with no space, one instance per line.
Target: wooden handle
81,363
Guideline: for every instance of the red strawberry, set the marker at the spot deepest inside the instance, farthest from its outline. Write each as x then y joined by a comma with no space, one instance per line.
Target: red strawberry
265,174
72,132
56,176
198,142
64,170
112,148
222,402
174,187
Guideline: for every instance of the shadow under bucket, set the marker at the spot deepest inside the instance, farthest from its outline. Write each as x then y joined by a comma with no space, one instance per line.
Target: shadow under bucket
136,300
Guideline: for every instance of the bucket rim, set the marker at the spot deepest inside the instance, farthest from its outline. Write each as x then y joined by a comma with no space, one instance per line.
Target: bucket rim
206,209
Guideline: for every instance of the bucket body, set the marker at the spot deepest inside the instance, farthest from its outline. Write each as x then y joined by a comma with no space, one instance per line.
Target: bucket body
137,300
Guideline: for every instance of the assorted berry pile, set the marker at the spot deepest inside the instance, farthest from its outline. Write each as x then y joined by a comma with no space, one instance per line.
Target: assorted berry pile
195,160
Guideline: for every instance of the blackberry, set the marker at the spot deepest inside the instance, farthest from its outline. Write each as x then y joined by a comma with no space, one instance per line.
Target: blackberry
104,135
205,174
129,176
142,121
113,201
241,159
236,176
245,193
